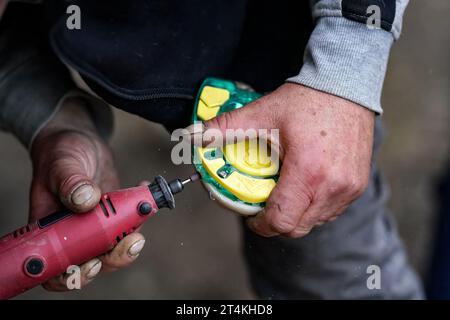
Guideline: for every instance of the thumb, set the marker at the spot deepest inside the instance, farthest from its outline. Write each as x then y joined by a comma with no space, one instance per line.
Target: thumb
232,126
44,194
70,178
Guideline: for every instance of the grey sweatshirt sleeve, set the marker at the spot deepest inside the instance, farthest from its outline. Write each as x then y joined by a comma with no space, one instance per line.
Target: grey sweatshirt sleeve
344,56
34,84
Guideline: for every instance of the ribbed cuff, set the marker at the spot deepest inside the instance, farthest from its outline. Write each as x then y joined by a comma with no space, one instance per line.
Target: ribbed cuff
29,94
100,112
347,59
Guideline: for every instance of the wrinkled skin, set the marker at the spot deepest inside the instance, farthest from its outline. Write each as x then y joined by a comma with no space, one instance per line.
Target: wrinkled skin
72,167
325,146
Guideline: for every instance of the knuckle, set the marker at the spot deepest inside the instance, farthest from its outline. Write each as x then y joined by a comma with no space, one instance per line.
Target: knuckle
363,184
346,184
340,184
224,121
356,187
281,223
315,174
300,231
300,192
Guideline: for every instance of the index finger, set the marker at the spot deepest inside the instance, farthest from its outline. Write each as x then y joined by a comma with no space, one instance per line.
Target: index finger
288,201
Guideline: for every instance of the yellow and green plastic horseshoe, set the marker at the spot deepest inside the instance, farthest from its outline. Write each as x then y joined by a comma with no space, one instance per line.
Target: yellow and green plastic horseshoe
241,181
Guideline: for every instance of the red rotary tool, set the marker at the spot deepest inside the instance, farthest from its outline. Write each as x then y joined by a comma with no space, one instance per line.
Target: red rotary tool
43,249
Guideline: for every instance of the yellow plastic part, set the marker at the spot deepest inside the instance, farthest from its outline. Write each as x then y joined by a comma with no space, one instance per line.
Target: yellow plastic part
246,157
211,99
248,189
205,113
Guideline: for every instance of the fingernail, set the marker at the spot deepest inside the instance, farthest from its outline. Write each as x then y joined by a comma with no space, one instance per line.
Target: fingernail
136,248
95,269
82,194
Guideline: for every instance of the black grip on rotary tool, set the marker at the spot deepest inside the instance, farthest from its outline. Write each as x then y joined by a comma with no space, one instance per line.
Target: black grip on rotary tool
163,192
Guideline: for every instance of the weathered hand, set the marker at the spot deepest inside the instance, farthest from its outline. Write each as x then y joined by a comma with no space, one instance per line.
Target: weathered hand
325,149
72,166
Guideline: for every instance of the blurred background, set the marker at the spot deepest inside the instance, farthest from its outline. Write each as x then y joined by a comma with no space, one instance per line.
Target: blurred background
195,251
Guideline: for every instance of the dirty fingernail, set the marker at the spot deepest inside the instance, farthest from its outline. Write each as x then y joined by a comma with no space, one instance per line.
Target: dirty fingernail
82,194
95,269
136,248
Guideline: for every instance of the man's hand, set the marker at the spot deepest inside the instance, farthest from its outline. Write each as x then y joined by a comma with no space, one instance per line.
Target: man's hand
325,149
72,167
